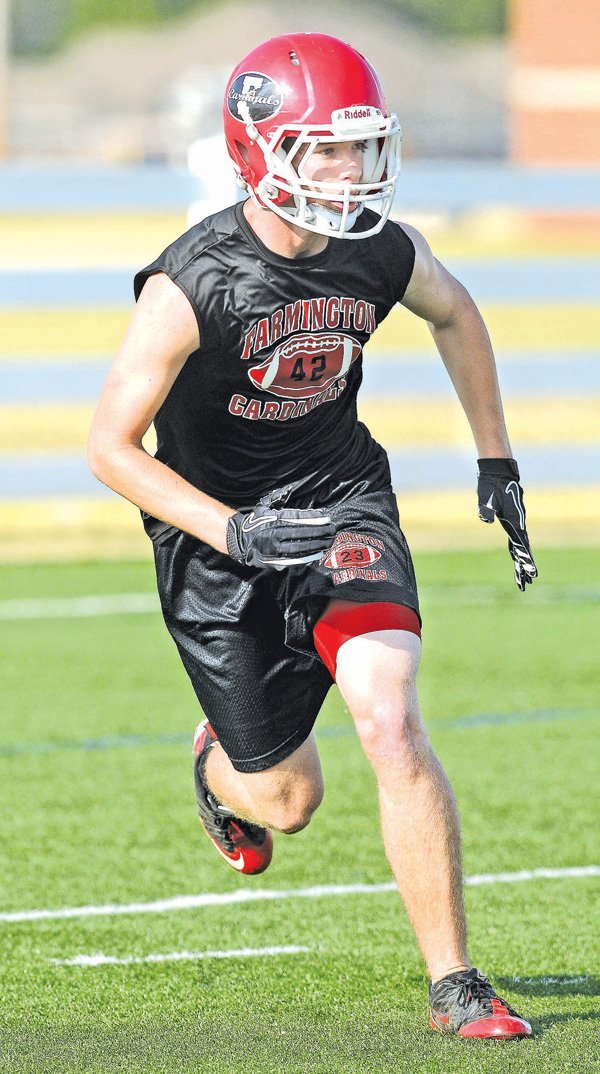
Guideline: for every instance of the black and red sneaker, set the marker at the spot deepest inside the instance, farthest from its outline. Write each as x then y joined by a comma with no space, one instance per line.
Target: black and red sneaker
465,1004
246,847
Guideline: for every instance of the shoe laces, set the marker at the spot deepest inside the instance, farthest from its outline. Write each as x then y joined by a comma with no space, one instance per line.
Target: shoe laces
474,988
471,988
217,824
221,819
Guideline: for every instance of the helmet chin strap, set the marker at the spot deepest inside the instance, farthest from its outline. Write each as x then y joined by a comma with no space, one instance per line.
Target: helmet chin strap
329,220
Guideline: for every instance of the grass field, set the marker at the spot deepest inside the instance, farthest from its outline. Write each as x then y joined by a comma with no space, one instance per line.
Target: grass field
97,810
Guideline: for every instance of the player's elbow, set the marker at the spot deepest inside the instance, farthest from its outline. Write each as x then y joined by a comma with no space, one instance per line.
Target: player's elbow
100,467
457,309
104,458
96,455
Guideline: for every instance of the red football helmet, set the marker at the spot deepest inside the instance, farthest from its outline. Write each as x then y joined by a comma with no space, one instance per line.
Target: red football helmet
290,95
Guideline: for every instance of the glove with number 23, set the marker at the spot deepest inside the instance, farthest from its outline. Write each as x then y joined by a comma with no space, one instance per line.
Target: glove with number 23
500,495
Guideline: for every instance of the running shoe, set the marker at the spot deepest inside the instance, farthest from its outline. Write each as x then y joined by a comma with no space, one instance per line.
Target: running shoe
246,847
464,1003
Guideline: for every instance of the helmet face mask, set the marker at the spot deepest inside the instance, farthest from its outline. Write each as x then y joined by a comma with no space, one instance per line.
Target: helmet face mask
274,123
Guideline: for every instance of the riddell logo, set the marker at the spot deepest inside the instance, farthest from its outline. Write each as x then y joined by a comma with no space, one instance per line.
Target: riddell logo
357,116
359,113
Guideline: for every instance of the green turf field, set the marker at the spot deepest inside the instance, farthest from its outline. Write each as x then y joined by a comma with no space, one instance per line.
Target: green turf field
97,809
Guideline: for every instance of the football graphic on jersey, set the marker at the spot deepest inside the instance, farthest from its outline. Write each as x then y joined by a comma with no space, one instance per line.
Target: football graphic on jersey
351,555
306,364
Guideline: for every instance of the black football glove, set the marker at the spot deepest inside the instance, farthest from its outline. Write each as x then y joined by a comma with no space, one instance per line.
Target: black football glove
499,493
272,536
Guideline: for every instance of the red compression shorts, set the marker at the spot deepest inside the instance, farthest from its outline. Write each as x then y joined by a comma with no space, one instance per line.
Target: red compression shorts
343,620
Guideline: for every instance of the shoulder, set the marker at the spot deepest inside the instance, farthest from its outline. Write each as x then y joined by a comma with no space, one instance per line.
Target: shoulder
426,269
418,241
208,232
433,293
392,233
395,242
389,254
190,246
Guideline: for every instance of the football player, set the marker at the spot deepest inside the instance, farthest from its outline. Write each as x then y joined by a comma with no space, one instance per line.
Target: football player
280,561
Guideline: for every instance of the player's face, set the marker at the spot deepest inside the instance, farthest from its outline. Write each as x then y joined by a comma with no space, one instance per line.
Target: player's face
334,162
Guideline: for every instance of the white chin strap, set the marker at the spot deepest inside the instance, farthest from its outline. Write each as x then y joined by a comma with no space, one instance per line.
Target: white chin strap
328,221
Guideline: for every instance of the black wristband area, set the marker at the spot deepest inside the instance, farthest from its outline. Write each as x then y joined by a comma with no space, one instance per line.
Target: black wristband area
233,543
499,468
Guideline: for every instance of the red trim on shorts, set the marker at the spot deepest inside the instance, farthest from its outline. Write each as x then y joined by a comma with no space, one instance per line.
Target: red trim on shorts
344,619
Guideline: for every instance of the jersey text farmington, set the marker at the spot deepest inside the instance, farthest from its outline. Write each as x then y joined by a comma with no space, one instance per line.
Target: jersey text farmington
310,315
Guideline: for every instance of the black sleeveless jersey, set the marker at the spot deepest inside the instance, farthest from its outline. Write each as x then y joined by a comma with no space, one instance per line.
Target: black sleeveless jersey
269,398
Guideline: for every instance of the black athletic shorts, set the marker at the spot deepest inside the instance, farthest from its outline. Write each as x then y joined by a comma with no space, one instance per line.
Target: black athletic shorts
245,634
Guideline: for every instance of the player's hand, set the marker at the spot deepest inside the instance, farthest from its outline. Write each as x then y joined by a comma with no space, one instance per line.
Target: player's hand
272,536
499,493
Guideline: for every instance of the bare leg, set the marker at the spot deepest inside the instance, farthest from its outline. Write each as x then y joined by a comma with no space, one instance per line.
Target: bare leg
419,818
282,797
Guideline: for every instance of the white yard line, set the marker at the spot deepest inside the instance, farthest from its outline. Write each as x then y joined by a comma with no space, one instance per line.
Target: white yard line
178,956
575,872
247,895
192,902
144,603
79,607
550,980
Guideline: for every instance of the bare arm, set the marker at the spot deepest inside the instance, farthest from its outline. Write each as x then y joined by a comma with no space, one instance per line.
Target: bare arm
162,334
464,345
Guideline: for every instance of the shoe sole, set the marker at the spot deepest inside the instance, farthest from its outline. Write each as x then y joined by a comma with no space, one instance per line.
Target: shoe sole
485,1029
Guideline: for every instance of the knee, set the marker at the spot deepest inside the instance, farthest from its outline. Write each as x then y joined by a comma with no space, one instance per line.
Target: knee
291,809
392,734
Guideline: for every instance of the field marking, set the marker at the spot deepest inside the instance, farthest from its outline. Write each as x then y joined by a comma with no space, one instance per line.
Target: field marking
178,956
80,607
178,738
145,603
245,895
550,980
574,872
